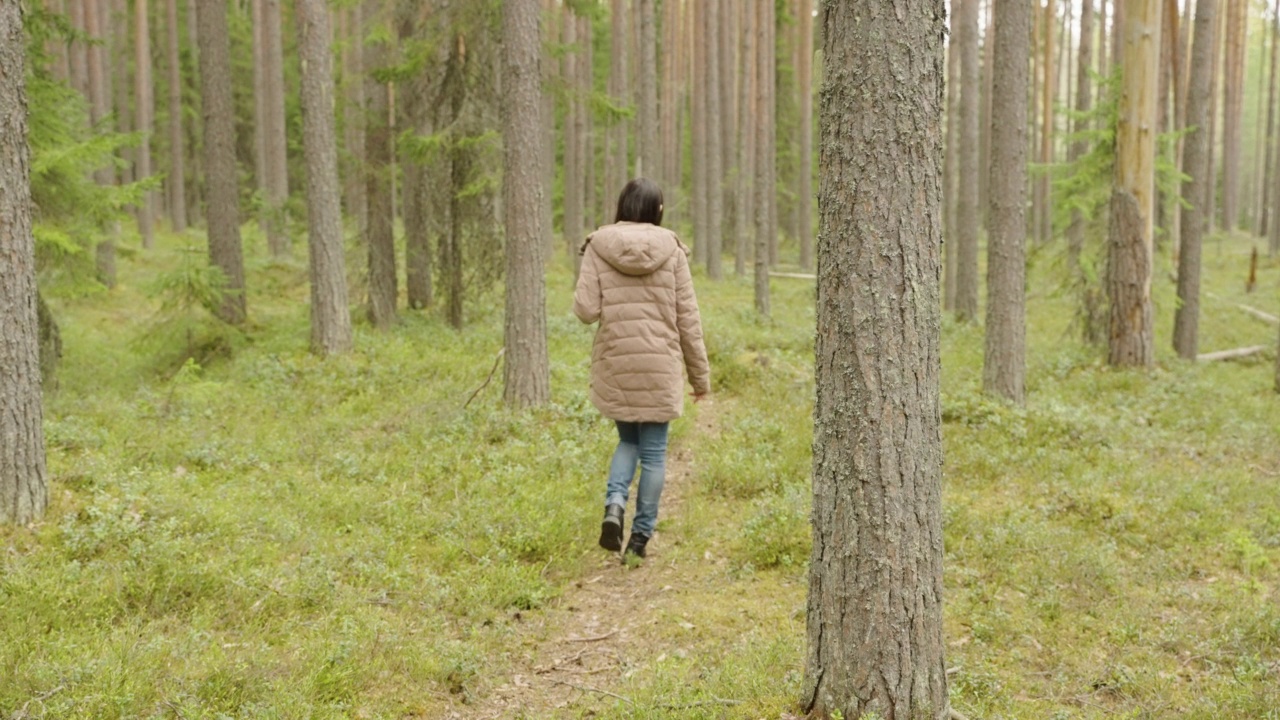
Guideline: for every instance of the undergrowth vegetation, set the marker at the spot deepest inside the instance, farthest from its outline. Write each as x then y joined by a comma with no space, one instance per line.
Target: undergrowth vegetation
256,532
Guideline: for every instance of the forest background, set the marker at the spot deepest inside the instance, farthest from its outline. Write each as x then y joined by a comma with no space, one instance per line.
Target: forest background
240,526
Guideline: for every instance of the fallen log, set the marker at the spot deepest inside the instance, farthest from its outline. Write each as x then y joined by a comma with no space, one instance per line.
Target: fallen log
1233,354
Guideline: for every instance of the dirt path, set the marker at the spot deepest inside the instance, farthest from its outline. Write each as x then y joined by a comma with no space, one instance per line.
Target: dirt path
570,655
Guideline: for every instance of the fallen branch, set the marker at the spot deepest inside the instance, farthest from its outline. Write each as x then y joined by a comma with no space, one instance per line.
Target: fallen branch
596,638
588,688
1261,315
22,713
796,276
487,380
1233,354
700,703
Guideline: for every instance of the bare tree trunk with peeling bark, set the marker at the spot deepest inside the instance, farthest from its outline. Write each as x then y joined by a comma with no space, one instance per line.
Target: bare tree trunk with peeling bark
874,620
1130,247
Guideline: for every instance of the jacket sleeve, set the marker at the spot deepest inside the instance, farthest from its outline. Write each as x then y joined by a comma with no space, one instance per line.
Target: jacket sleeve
690,323
586,297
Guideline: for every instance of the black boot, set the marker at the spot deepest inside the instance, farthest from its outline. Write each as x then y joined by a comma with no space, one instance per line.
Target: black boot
611,528
635,545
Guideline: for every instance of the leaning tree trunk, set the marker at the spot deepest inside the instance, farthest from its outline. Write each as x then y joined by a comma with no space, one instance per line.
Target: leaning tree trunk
222,178
526,375
24,489
875,574
1195,165
330,316
176,181
380,234
966,306
1130,256
1004,368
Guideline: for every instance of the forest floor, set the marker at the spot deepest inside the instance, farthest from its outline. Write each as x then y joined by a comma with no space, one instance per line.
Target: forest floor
254,532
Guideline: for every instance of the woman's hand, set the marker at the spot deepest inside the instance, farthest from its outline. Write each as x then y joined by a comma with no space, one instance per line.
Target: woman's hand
697,397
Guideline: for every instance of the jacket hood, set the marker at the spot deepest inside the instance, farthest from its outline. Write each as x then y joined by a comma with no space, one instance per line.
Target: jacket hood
635,248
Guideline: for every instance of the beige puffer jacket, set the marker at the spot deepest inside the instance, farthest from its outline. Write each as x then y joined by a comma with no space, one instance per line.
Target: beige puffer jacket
635,281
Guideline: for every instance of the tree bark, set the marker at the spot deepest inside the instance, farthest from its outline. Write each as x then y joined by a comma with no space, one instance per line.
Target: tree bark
1048,96
1130,256
649,151
526,373
354,109
701,139
670,108
1195,162
330,316
144,113
1004,367
1084,104
770,111
24,489
763,69
1215,71
417,226
875,574
1268,172
383,290
715,130
176,181
1233,97
587,138
99,112
744,219
259,108
573,187
951,163
218,106
984,121
619,90
276,142
966,306
805,81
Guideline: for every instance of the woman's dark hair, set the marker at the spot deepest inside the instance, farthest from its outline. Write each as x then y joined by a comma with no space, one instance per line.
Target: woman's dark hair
640,201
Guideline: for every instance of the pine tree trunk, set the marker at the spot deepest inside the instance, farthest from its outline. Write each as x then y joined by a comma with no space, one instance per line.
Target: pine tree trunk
1084,104
1104,64
330,316
875,641
354,109
617,175
726,41
966,306
417,226
144,113
805,81
176,181
744,220
276,141
670,109
649,151
572,129
24,489
701,175
549,36
526,371
1049,96
1004,367
1195,161
259,109
587,140
1264,199
99,112
715,172
762,129
770,110
1233,98
377,138
1130,257
219,157
984,122
1215,107
77,50
951,163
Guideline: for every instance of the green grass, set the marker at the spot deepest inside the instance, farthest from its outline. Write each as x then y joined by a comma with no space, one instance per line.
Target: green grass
265,534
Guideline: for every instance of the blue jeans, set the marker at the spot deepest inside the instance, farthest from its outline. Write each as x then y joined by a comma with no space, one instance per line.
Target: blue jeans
645,444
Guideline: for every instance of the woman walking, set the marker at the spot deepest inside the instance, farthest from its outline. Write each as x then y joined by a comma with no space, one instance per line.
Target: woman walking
635,282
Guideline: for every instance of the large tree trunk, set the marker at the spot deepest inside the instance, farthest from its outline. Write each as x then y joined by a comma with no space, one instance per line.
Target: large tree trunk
761,210
1004,368
24,489
276,142
220,157
1130,258
1194,164
805,80
1084,103
875,573
526,375
715,129
382,250
330,316
966,305
176,181
649,152
144,113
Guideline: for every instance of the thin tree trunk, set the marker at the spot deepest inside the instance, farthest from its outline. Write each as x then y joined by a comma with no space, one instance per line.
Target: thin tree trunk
667,108
1084,104
805,81
276,142
763,69
1215,110
984,127
1234,104
1048,98
744,222
875,639
24,488
330,316
144,113
573,190
218,106
77,49
354,108
966,306
176,179
99,112
649,152
259,108
715,171
1004,366
1104,65
726,41
1195,161
1264,199
771,119
701,176
1119,11
1130,259
587,140
379,234
619,89
550,35
951,163
417,222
